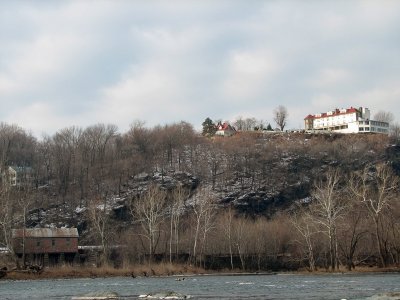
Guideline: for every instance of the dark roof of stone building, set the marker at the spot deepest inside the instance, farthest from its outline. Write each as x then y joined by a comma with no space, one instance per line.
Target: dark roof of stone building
45,233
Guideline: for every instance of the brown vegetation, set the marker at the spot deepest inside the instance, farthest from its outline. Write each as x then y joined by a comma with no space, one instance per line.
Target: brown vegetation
251,202
66,271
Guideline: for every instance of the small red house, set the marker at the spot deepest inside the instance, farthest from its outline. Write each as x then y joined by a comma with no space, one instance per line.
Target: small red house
225,129
46,245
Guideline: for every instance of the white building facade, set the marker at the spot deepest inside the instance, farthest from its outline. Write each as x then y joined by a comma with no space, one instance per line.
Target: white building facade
348,120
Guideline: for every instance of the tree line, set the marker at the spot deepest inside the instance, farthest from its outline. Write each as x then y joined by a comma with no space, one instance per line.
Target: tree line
280,117
343,212
349,220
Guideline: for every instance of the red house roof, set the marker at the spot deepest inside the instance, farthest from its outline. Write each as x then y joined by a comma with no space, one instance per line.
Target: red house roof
336,112
224,126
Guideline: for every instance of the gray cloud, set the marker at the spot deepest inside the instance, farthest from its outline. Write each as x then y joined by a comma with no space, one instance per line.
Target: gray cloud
83,62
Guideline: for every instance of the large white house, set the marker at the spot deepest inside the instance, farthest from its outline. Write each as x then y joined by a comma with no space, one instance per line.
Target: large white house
347,120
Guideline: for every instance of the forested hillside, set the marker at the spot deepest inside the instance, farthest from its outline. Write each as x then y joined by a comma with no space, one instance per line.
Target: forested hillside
252,201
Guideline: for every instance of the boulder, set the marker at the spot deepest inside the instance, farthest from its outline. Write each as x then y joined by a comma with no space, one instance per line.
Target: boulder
386,296
164,295
97,296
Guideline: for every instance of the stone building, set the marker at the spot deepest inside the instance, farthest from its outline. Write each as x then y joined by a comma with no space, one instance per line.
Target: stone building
46,246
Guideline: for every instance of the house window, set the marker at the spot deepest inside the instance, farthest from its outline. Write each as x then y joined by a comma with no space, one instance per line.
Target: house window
53,242
68,241
38,243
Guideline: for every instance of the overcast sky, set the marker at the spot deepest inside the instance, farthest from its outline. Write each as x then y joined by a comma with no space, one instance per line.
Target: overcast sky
65,63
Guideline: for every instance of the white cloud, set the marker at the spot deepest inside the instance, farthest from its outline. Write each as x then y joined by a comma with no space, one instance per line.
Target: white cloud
7,85
380,98
331,78
44,57
377,15
326,102
147,92
39,118
83,62
170,41
248,72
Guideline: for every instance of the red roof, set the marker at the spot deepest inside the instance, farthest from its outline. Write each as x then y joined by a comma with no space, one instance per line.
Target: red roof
335,113
224,126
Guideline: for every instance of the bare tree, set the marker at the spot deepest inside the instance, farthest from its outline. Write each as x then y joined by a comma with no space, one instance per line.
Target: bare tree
179,196
215,162
140,141
260,125
25,203
395,131
251,124
149,211
280,116
64,146
260,242
248,124
240,233
394,229
304,225
327,208
353,230
99,138
239,123
204,212
16,146
384,116
100,218
376,188
6,215
226,223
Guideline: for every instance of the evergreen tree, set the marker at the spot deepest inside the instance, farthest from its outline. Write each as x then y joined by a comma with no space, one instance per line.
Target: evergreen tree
209,127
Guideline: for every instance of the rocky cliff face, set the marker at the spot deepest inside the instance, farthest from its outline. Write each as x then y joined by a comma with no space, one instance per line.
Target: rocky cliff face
257,177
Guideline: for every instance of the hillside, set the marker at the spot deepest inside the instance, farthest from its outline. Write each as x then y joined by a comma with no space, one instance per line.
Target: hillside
219,202
259,175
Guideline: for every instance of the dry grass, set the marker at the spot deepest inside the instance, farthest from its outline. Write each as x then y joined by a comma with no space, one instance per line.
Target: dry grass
159,269
375,269
343,269
67,271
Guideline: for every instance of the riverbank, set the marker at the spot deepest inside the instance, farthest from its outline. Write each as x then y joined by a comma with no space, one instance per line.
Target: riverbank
357,270
166,269
162,269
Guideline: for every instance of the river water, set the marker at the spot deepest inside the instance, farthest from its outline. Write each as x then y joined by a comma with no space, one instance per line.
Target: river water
280,286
